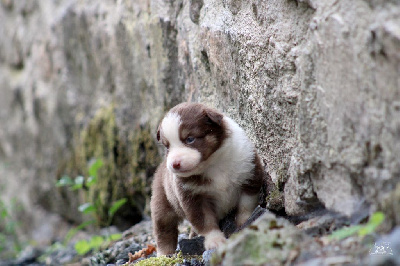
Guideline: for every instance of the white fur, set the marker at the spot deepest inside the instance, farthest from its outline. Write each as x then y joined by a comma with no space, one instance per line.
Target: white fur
170,127
187,157
246,207
229,167
214,239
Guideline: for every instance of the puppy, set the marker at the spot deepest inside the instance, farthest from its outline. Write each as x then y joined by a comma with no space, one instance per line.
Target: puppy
210,168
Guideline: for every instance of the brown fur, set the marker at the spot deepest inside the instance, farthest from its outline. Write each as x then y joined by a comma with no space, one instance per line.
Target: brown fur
205,124
175,199
165,219
254,185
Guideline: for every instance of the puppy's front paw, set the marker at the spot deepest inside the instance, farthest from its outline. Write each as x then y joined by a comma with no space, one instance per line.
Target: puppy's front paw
214,239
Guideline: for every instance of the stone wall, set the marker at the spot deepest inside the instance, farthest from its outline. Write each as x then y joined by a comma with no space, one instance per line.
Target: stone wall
315,84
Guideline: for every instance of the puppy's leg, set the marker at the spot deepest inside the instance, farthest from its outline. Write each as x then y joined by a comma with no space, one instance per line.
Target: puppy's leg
249,197
247,204
166,233
214,239
200,211
165,223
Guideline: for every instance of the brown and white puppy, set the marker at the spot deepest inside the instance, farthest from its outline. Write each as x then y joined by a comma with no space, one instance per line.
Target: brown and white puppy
211,168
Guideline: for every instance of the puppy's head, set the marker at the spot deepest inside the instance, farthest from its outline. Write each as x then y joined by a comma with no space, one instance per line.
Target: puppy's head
191,133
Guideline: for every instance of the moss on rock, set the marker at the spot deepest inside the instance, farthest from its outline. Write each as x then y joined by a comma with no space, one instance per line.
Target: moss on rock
128,165
268,241
275,199
165,260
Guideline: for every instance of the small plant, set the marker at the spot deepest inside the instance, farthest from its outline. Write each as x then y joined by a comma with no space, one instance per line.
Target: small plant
96,243
80,182
10,245
82,247
362,230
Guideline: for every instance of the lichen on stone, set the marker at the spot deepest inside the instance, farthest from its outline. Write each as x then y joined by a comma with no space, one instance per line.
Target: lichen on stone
161,261
128,164
269,240
275,199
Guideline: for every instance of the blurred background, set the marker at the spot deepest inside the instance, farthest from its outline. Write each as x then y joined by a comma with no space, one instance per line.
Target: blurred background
84,84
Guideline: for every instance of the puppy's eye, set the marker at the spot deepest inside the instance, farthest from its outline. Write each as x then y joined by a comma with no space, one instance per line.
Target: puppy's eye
190,140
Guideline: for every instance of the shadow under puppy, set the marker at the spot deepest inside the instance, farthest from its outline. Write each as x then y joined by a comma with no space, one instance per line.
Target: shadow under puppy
210,168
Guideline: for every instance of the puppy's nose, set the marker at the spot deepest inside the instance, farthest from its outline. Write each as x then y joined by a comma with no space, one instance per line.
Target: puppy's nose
176,165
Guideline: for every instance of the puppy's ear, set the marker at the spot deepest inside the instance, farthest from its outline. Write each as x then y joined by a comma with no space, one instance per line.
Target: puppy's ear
214,117
158,132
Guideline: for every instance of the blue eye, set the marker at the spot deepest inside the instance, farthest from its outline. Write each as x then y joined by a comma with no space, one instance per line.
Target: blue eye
190,140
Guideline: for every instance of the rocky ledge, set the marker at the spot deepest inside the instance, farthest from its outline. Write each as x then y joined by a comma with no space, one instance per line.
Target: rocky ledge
266,239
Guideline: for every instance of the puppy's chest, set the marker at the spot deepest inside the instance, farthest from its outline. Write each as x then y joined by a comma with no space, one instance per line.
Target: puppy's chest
222,187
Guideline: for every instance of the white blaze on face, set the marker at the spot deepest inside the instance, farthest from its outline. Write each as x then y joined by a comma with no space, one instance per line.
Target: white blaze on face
181,159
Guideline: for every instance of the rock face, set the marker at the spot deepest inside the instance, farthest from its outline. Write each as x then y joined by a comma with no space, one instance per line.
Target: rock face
348,115
267,241
315,84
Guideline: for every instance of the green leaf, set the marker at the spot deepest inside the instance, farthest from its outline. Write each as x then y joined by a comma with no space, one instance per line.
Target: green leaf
94,167
76,187
64,181
374,221
367,229
96,242
115,237
86,208
91,181
78,182
116,206
377,218
3,213
75,230
345,232
85,224
82,247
